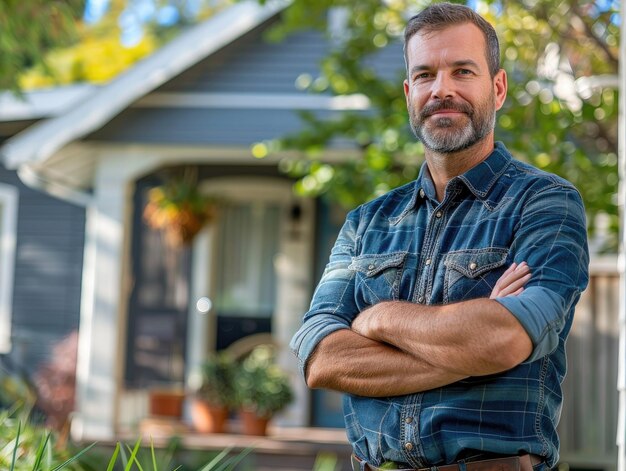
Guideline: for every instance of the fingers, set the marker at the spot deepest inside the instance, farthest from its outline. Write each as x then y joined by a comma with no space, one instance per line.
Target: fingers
511,281
515,285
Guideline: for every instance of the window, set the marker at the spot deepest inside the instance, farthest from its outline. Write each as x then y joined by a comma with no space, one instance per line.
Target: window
249,235
8,231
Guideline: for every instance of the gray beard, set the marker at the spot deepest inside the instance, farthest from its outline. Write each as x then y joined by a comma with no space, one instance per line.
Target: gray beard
445,139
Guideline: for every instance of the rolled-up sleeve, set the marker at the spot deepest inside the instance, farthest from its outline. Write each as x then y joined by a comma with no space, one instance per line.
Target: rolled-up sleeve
552,239
332,307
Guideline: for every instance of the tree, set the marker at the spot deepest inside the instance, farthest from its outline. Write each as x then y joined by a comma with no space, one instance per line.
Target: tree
29,29
87,41
559,115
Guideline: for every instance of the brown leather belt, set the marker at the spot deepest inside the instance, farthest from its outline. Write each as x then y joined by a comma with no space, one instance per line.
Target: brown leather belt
509,463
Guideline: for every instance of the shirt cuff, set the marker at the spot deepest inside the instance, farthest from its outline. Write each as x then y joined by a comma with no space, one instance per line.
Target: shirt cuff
542,313
310,335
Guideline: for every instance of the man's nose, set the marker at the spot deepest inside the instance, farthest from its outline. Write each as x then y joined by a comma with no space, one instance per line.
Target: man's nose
442,87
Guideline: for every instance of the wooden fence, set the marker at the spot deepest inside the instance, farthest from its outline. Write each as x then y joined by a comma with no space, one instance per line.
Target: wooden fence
588,424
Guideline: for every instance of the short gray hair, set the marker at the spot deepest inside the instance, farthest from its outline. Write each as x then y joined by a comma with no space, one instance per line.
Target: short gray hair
441,15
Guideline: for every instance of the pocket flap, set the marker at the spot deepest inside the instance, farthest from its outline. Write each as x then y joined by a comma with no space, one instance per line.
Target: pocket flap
474,263
372,265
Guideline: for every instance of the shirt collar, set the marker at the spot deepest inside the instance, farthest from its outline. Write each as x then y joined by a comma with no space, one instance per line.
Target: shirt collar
479,179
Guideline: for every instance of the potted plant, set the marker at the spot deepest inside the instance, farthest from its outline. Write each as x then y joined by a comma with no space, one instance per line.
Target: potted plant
262,389
213,394
179,209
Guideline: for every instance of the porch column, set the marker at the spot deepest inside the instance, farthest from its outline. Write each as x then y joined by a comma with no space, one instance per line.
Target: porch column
294,268
101,340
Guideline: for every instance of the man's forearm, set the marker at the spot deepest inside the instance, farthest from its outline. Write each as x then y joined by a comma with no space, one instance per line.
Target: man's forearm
348,362
471,338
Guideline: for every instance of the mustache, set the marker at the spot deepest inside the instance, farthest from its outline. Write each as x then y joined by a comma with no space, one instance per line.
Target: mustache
446,104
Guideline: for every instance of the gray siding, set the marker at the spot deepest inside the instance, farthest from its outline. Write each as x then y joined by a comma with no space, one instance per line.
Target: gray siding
250,65
200,126
48,270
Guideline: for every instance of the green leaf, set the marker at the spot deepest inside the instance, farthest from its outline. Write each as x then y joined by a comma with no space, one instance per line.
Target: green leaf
40,451
133,455
17,444
113,459
74,458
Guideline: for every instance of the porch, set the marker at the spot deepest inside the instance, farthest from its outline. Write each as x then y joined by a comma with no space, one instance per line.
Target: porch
283,449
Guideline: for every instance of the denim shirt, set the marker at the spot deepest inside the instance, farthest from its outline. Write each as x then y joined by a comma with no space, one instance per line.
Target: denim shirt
406,245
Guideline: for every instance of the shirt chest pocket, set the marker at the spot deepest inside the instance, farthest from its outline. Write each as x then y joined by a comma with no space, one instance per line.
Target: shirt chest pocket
471,274
377,277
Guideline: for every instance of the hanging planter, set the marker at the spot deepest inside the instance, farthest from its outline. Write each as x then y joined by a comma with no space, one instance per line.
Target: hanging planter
178,209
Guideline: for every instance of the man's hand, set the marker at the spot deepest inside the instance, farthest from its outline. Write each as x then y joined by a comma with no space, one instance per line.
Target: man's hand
512,281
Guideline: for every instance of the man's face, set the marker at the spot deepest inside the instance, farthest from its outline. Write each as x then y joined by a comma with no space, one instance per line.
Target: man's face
451,97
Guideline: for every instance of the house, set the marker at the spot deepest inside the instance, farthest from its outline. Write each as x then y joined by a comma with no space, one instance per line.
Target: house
150,312
198,103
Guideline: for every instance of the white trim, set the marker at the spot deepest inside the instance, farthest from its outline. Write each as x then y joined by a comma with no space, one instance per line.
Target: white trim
248,188
43,103
271,101
8,231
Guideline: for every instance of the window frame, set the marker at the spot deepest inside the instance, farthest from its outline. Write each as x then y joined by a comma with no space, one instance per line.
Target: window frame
9,196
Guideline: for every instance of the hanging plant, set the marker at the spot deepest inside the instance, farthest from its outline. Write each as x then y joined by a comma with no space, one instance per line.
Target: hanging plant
179,209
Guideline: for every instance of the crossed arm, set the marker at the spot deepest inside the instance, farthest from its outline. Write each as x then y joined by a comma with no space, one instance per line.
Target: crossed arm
396,347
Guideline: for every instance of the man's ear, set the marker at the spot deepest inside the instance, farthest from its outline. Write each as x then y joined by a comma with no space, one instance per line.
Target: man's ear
406,91
500,87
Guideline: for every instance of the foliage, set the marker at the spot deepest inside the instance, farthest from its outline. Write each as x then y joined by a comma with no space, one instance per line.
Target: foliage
27,447
261,385
29,29
215,380
16,391
129,31
558,116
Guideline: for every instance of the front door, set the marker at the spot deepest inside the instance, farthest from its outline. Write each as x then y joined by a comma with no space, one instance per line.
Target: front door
252,270
247,243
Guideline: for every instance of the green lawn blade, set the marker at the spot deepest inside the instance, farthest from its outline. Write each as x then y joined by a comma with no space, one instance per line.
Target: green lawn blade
154,465
75,457
17,443
114,457
216,460
40,451
133,455
235,460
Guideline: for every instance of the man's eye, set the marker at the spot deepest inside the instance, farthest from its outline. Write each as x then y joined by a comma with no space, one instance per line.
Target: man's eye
422,75
465,72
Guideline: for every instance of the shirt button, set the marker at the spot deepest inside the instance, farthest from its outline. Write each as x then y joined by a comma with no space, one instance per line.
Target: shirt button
420,299
427,262
439,214
472,266
422,193
408,446
371,267
408,420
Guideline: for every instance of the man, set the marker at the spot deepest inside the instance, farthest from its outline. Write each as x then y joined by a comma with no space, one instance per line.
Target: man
445,356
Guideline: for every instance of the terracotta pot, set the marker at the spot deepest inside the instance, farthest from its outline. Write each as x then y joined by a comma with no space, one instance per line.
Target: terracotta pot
166,403
252,424
207,418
